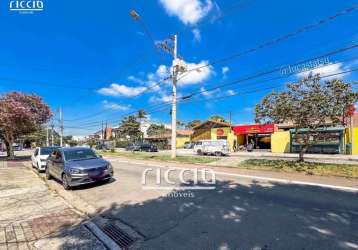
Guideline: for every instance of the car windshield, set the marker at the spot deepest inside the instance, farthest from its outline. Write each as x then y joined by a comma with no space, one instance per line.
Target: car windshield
46,151
79,154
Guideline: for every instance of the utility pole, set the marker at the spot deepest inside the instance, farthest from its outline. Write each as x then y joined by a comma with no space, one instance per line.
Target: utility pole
52,134
61,128
174,100
102,134
47,139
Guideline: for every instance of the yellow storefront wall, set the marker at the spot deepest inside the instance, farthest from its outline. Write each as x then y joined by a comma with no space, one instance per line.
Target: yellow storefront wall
180,141
280,142
201,134
227,132
355,141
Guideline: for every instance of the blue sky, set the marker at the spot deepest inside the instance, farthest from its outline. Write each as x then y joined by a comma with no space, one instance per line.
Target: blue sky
92,59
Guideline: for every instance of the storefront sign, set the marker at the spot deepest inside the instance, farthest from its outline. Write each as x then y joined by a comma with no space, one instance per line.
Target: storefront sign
220,132
254,129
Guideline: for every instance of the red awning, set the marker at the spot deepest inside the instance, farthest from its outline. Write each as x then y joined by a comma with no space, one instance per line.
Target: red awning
254,129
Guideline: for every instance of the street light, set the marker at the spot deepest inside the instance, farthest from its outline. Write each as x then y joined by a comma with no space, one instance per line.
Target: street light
134,15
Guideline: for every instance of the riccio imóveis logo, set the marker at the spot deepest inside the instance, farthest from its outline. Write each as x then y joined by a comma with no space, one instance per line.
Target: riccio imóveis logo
26,6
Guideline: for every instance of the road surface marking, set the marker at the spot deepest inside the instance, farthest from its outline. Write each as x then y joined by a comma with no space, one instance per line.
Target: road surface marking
254,177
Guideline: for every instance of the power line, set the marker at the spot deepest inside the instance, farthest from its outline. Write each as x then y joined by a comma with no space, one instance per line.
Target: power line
240,93
237,81
274,41
278,68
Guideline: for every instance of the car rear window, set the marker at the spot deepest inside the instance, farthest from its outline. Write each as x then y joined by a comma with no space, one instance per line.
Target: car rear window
79,154
46,151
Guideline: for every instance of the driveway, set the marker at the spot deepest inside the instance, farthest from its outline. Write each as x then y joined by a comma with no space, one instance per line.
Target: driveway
240,213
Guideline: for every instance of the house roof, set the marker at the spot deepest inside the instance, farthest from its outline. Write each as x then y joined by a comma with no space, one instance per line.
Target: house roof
212,124
167,134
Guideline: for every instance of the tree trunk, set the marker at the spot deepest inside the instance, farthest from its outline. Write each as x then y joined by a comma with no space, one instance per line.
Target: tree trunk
303,150
9,149
300,156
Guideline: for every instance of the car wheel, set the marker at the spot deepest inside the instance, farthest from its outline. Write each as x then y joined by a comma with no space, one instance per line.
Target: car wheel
47,174
199,152
218,153
65,183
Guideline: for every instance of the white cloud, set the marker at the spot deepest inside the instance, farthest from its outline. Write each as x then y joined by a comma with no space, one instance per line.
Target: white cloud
161,98
135,79
162,71
115,106
197,35
230,92
188,11
225,69
121,90
196,76
206,93
326,70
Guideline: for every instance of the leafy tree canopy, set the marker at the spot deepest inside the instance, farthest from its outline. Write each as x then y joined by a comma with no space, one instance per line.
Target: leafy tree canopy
156,129
21,114
308,104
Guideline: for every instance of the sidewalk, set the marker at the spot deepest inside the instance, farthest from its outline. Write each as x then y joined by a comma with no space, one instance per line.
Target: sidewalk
33,217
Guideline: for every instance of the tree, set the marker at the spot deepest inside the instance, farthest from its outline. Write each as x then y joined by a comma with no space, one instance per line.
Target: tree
129,126
192,124
180,123
217,118
141,114
156,129
310,105
21,114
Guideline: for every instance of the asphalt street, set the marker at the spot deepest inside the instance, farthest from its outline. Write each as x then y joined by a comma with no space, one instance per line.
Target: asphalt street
239,213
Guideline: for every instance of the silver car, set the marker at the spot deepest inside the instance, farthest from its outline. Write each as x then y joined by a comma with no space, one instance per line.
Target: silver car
77,166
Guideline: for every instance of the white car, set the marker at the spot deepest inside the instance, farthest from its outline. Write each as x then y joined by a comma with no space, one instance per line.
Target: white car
40,156
212,147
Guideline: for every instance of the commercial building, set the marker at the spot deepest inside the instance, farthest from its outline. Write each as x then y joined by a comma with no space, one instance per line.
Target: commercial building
163,141
280,138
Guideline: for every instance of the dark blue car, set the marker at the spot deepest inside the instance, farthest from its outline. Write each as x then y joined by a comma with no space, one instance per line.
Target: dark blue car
77,166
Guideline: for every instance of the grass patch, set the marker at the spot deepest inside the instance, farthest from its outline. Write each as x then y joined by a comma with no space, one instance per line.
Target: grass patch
161,157
312,168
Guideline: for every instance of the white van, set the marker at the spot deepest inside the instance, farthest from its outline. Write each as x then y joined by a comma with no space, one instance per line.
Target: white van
212,147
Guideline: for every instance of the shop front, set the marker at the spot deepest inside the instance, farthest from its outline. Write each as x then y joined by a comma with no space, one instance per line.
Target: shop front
259,135
326,141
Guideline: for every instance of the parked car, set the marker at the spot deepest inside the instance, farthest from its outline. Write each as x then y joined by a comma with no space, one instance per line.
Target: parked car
189,145
39,157
148,148
77,166
133,147
212,147
16,147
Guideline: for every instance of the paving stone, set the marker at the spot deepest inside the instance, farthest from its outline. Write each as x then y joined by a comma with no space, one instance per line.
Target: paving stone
10,234
22,246
33,213
2,235
12,246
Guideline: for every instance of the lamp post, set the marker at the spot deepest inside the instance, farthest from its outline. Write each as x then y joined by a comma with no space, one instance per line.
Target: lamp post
177,67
